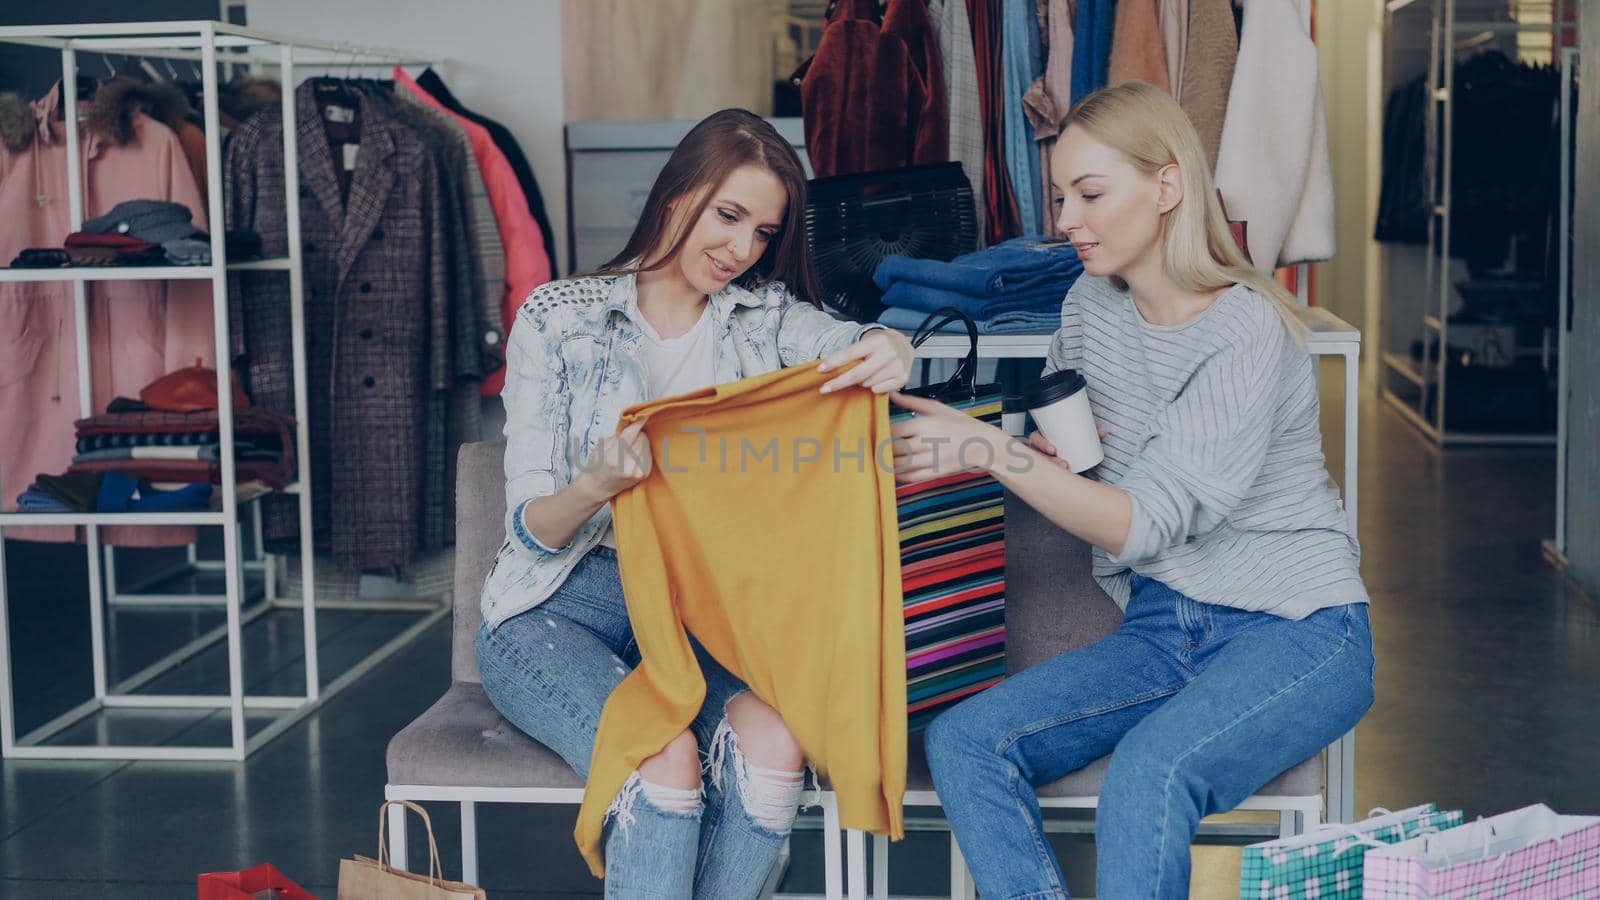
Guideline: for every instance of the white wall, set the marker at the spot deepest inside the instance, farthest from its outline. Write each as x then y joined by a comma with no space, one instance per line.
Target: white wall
502,58
1583,404
1349,48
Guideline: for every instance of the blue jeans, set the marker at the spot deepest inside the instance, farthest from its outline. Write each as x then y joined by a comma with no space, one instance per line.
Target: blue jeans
549,671
1203,705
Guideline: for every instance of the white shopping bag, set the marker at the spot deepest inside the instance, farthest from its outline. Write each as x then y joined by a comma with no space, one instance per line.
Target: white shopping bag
1530,852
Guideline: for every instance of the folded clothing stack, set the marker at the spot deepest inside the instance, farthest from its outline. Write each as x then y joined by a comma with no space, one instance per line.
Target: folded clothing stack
1010,288
168,447
139,233
196,250
41,258
111,492
163,452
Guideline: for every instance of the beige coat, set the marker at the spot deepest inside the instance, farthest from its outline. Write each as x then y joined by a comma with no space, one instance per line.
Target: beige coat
1274,168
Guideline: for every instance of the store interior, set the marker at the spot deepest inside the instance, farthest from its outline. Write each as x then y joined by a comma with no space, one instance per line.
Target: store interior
281,642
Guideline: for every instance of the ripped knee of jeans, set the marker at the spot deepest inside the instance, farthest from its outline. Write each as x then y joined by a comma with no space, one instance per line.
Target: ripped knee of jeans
770,796
673,801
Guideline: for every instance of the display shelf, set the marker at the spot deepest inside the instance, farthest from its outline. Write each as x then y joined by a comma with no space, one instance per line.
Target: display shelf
140,273
199,42
1435,321
1402,365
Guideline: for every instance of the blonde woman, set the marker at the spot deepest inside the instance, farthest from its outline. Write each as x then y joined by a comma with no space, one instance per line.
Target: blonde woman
1245,646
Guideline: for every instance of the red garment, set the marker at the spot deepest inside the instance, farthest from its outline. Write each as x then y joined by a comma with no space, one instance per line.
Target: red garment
246,420
1005,220
193,389
110,240
138,330
873,96
188,471
909,21
527,264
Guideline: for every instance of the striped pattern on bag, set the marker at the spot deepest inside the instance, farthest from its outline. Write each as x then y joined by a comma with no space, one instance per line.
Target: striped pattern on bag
953,568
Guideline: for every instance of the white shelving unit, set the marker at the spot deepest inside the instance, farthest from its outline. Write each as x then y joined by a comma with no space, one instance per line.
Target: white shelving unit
1447,36
210,43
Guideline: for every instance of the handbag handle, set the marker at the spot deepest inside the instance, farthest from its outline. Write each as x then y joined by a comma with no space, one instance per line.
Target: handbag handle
435,870
966,373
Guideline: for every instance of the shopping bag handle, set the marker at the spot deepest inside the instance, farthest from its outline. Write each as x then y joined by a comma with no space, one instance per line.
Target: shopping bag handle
1361,839
966,373
435,870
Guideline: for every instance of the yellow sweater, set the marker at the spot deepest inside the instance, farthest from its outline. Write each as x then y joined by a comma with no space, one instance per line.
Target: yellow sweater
767,528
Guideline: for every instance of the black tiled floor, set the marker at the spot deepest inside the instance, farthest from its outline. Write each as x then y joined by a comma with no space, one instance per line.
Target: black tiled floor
1488,665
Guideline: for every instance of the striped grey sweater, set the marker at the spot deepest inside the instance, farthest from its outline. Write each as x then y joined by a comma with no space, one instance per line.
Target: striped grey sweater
1213,433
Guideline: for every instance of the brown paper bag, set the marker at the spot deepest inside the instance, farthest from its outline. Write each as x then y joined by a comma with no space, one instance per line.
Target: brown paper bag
362,878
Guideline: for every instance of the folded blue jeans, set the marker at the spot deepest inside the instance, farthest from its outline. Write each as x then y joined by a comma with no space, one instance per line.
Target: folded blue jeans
1018,266
1199,706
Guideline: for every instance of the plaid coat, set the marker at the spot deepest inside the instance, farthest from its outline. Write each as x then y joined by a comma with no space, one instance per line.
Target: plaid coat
382,350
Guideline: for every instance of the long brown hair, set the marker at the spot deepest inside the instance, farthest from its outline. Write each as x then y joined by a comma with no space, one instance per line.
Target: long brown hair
720,143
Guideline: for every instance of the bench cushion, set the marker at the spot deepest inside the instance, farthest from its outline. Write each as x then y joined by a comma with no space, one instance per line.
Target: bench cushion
461,741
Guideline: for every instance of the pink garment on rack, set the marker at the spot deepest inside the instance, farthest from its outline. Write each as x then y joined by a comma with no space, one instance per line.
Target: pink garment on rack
527,265
138,330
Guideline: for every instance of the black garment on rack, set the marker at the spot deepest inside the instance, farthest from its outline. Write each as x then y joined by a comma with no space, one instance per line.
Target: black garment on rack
383,354
1504,115
507,144
1403,203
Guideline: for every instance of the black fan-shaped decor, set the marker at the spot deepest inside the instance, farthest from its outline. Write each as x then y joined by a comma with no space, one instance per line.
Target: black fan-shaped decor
854,221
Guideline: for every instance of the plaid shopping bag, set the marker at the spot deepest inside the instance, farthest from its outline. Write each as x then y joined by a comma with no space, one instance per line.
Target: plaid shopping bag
1528,853
953,559
1325,862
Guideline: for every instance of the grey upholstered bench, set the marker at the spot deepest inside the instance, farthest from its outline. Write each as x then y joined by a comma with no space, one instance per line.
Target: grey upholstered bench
461,751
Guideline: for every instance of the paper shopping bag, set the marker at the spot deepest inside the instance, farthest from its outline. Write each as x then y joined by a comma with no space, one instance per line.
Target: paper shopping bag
1326,861
362,878
258,881
1531,852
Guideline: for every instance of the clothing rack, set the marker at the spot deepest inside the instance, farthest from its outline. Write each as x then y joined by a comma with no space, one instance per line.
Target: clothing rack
1429,376
211,43
1556,547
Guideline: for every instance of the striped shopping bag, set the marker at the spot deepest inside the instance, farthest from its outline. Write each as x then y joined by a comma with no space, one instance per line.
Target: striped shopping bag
953,560
1326,862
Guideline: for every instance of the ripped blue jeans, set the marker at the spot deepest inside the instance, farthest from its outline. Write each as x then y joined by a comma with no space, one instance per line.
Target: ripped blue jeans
549,671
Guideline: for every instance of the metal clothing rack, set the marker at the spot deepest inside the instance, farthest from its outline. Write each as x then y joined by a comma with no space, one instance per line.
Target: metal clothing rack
211,43
1428,378
1556,547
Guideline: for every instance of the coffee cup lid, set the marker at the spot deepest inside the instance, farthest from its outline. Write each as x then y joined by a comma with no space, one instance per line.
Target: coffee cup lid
1053,387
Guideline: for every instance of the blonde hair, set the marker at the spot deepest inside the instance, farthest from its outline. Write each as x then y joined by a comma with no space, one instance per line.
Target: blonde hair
1147,126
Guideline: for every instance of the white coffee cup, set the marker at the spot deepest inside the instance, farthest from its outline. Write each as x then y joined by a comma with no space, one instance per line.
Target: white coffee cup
1059,404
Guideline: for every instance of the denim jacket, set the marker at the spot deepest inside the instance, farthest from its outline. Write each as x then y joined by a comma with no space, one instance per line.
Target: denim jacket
574,363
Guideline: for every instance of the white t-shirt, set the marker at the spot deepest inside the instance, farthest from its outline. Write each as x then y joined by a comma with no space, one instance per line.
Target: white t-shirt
675,366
